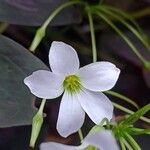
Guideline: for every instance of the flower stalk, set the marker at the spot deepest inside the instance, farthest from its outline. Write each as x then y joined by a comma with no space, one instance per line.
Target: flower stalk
42,30
80,135
37,124
94,51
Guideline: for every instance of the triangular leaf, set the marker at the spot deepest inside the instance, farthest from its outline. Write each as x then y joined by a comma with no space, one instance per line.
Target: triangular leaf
16,101
34,13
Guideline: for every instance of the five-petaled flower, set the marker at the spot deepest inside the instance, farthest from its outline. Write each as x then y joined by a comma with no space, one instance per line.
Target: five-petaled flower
103,140
82,87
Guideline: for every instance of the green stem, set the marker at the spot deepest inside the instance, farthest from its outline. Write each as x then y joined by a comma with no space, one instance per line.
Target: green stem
37,124
42,106
130,27
132,142
80,135
127,145
134,49
41,31
94,51
122,144
138,131
124,15
130,112
118,95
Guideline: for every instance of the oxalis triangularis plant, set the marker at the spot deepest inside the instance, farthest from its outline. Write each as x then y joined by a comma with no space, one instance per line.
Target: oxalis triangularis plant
83,88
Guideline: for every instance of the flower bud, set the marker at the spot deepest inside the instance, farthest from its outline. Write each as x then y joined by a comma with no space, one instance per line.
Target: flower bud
36,127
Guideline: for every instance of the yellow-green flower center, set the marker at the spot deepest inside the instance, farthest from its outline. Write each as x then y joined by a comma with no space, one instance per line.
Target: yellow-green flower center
90,147
72,84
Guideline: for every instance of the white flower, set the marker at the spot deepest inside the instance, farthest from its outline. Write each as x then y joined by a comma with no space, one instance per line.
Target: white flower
103,140
82,87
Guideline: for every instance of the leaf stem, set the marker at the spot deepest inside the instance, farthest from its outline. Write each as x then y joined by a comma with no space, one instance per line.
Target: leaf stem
124,15
127,145
130,27
132,142
94,51
130,112
130,44
122,144
118,95
139,131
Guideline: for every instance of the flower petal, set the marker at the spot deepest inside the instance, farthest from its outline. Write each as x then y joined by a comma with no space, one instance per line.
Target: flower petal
56,146
99,76
96,105
71,115
104,140
63,58
44,84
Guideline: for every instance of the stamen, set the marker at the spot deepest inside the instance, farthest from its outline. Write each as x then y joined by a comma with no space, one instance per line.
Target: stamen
72,84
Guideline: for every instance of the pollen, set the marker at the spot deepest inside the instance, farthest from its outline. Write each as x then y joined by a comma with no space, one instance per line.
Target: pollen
72,84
